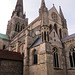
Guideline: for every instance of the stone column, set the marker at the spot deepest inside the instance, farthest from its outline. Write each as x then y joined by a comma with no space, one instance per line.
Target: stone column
26,63
42,59
26,57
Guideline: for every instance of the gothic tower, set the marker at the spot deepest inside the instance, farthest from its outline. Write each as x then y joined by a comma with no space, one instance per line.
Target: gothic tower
18,20
43,13
64,24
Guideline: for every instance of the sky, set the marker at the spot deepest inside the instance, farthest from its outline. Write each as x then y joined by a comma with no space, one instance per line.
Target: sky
31,7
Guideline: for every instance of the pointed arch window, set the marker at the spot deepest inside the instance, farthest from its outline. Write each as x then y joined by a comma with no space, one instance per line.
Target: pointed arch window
45,35
50,27
35,57
54,34
42,36
72,56
17,27
55,57
55,27
22,27
48,36
60,33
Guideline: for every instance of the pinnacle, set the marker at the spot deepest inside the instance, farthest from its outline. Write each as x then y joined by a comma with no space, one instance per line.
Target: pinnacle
43,3
53,5
19,2
61,13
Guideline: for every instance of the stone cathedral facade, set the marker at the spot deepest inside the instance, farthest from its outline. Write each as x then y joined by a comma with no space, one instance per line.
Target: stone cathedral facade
45,43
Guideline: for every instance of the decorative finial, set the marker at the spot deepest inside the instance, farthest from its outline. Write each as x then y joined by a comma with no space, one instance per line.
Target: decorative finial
43,3
53,5
59,6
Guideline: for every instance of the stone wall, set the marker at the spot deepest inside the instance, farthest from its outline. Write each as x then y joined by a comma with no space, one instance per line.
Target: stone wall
11,67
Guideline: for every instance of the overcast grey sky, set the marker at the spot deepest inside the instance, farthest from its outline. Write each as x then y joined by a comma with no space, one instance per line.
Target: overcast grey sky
31,7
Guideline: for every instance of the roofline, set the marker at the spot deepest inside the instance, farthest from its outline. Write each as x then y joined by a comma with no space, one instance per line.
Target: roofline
10,55
68,38
27,26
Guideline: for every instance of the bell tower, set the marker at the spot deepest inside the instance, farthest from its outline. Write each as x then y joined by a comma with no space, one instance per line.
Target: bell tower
43,14
18,20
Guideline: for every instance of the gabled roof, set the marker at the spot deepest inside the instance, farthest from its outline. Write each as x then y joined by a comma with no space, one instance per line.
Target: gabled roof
3,36
54,9
68,37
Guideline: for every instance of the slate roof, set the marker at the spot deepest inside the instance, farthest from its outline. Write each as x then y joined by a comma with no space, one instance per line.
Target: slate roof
36,35
9,55
3,36
37,42
70,36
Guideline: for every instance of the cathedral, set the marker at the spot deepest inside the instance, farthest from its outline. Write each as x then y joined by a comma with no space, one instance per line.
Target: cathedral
46,47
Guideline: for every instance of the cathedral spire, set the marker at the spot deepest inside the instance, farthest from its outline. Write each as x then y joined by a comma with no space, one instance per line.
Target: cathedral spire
43,4
19,6
18,9
61,13
20,2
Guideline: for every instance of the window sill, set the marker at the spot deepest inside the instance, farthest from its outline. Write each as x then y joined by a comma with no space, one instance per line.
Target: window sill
57,68
72,68
34,64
